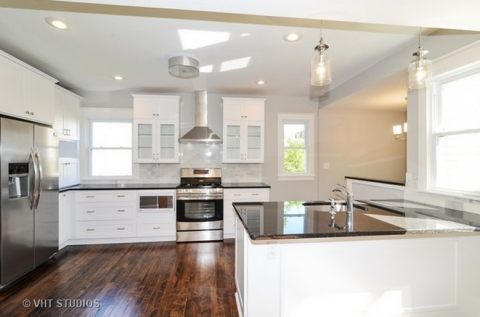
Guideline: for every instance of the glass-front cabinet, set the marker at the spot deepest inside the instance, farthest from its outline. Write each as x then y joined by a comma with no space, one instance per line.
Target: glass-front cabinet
243,130
155,142
243,142
156,128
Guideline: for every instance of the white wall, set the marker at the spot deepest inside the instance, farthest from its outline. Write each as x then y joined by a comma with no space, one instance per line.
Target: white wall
416,186
359,143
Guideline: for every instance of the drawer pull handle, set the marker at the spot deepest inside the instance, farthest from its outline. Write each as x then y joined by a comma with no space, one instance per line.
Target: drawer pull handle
90,229
121,228
254,194
236,195
90,196
120,195
90,211
156,228
121,210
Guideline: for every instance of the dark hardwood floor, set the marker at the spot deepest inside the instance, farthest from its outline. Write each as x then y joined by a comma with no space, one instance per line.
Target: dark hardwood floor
144,279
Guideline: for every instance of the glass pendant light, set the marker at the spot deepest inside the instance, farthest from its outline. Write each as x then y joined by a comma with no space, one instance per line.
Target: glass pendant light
320,74
420,69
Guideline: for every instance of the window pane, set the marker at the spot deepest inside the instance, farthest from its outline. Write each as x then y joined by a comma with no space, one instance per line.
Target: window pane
112,134
458,162
294,135
107,162
460,102
295,161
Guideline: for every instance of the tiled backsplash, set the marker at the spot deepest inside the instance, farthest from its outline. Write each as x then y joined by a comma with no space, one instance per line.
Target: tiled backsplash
200,155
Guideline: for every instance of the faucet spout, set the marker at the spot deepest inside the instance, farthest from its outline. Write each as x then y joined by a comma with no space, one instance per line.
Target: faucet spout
348,196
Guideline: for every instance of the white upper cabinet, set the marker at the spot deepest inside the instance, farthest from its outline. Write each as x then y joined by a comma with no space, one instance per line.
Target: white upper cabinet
243,109
67,113
243,130
156,128
25,92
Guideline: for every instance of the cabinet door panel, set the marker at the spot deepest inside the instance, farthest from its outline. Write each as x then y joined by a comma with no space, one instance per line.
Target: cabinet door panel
144,141
254,149
39,98
145,107
11,87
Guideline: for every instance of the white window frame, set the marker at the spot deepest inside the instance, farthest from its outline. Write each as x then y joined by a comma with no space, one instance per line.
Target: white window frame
296,118
433,135
90,147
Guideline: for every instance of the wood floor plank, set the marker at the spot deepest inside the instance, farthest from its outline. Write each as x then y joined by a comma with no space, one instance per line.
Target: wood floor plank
144,279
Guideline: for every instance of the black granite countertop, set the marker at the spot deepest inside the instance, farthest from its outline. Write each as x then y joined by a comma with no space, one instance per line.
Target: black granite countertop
147,186
298,219
376,180
245,185
125,186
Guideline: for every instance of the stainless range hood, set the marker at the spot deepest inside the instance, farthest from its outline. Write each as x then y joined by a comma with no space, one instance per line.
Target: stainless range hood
200,133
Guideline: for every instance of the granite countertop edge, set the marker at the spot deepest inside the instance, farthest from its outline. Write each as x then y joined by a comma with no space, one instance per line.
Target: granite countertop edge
400,231
153,186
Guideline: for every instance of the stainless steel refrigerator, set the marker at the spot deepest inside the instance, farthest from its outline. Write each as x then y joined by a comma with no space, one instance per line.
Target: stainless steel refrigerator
29,197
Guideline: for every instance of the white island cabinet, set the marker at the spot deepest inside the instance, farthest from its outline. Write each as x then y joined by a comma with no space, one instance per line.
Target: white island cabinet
414,275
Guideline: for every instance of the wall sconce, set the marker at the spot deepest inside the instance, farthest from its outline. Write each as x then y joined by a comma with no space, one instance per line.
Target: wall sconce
398,131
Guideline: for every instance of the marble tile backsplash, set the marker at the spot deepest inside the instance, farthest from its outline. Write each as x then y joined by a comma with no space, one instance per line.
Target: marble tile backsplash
200,155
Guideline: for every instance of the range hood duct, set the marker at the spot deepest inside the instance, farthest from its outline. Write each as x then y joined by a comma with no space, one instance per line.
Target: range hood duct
200,133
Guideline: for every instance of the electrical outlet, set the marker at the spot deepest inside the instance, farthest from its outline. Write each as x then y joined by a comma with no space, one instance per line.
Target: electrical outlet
272,251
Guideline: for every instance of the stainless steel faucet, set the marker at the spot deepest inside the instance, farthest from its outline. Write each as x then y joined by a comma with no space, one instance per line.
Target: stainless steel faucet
348,196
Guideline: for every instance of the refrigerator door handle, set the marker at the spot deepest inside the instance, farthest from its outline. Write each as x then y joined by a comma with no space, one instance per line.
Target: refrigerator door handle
32,179
39,177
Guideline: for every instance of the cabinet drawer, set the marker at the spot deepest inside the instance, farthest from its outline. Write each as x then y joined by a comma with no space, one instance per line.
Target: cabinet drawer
105,229
156,224
104,196
109,212
247,195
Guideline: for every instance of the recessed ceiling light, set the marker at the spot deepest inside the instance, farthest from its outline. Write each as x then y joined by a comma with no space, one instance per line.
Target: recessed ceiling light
58,24
118,77
292,37
260,82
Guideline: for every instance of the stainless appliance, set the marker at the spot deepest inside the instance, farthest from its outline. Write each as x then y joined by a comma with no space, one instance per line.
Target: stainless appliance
200,205
29,197
200,132
156,200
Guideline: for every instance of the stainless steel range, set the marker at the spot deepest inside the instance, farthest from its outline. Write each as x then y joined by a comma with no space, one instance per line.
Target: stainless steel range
200,205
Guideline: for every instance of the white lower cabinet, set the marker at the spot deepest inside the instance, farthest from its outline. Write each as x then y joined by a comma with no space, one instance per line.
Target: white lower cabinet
105,214
239,195
64,219
115,216
158,224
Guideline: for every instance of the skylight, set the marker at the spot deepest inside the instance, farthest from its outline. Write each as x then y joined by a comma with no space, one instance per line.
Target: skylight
193,39
235,64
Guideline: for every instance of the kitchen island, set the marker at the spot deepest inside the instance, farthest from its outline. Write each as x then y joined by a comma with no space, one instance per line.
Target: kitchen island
293,259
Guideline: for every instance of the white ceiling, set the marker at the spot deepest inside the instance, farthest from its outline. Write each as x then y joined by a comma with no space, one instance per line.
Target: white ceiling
110,38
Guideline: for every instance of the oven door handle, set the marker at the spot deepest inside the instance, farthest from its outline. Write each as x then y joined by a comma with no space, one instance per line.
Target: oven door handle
200,197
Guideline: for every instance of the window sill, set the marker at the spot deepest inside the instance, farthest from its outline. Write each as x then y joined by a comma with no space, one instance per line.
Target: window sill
305,177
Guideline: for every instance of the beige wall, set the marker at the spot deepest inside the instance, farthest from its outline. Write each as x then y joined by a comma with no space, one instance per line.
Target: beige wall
359,143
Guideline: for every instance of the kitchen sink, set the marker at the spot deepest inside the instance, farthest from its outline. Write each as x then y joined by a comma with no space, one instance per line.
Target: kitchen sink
339,206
